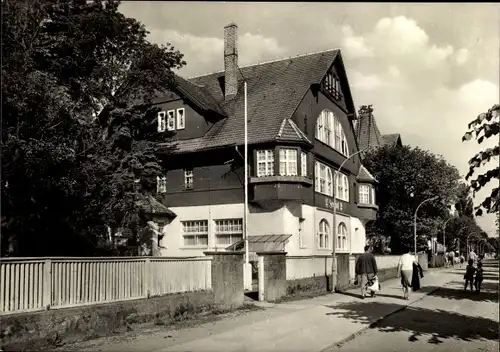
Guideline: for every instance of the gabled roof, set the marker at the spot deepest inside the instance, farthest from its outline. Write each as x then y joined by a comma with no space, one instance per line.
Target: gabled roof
391,138
290,132
152,206
365,175
197,95
275,89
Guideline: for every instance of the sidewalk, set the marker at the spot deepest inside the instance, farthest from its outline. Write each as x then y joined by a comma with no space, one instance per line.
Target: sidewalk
307,325
315,324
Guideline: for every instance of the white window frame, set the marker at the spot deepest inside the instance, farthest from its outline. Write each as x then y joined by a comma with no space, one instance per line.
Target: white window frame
324,234
162,121
372,200
303,164
364,194
342,234
171,120
181,123
188,178
197,229
323,179
265,157
329,131
228,227
288,162
342,191
161,184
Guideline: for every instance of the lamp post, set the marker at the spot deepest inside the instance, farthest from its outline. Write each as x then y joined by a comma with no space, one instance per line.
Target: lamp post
415,221
334,241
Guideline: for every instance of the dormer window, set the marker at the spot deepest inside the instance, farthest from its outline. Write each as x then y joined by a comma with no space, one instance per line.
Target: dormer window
162,121
331,85
171,120
161,184
181,120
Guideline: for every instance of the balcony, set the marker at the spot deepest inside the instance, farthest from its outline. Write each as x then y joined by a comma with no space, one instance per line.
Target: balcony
275,188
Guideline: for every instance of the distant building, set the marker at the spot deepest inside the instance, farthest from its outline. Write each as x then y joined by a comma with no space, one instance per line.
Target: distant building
300,129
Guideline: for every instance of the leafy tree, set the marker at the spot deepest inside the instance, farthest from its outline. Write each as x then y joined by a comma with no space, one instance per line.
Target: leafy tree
464,203
78,127
486,125
407,176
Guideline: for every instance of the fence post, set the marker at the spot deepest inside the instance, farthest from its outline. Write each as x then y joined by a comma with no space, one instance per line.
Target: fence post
147,278
47,284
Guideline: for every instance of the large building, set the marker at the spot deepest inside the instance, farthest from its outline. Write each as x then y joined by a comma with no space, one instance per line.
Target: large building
300,115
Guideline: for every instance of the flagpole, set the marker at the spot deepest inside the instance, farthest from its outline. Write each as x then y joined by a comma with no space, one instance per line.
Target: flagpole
247,272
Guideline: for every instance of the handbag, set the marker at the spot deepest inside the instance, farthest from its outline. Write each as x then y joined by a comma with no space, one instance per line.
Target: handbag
375,286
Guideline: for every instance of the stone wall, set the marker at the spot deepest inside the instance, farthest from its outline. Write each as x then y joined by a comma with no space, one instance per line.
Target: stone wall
227,278
272,276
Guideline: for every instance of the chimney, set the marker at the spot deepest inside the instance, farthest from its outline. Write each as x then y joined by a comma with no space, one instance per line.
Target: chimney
230,61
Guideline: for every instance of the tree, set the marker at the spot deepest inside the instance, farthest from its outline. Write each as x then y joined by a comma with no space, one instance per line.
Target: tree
78,127
486,125
464,204
407,176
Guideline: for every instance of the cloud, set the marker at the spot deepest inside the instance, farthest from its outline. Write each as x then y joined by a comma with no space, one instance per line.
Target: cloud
462,56
365,82
206,53
354,46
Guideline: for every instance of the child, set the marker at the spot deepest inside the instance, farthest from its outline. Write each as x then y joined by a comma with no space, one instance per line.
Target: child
479,277
469,275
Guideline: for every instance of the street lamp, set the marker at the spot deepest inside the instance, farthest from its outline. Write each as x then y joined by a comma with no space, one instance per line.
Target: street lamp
334,241
415,221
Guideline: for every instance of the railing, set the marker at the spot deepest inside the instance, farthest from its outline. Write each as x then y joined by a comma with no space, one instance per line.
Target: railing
30,284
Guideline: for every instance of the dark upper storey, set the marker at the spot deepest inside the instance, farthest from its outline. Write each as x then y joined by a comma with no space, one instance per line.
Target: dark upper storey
285,99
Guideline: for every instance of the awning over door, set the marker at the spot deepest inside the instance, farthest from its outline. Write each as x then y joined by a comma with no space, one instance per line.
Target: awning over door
262,243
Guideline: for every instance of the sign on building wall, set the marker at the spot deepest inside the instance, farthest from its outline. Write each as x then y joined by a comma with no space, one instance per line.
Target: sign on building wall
330,203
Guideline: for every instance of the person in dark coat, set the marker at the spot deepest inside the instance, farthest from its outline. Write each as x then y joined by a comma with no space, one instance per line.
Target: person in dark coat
417,274
366,269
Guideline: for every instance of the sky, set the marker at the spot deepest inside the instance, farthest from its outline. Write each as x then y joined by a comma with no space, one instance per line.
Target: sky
427,69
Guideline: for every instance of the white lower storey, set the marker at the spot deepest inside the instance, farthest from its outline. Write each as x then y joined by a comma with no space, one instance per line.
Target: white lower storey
300,221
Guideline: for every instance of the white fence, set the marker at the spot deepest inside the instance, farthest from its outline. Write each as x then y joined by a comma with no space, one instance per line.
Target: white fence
304,267
313,266
30,284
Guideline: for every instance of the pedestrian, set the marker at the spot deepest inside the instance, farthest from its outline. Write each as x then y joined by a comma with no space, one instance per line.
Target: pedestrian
452,258
479,277
469,275
472,255
462,260
366,269
405,271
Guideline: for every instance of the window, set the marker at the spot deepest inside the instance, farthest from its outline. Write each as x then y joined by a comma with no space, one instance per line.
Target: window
288,162
162,121
195,233
303,164
228,231
332,86
181,119
373,195
342,182
323,234
323,179
171,120
188,178
342,236
364,194
161,184
265,163
329,131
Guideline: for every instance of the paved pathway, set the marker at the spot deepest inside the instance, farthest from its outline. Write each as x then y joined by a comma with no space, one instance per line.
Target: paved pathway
309,325
446,320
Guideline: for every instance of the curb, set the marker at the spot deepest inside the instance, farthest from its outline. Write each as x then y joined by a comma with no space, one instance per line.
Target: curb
340,343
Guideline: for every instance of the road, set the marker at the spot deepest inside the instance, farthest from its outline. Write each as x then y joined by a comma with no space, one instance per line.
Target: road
445,320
